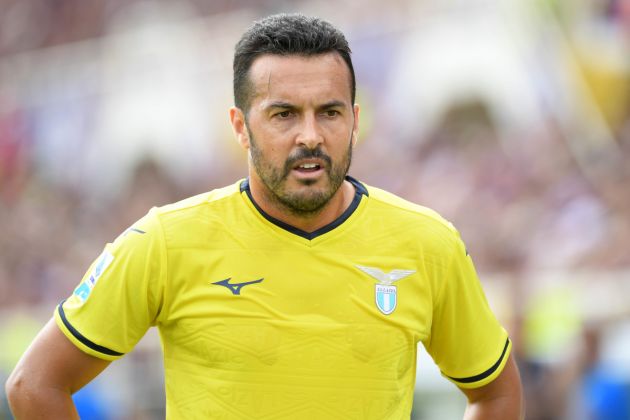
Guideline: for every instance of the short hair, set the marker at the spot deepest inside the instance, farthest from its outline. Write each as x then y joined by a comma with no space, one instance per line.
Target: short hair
285,34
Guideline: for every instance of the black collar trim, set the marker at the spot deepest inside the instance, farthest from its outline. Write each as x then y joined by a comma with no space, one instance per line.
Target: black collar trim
360,191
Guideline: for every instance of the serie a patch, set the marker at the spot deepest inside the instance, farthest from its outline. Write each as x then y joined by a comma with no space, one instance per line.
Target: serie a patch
85,288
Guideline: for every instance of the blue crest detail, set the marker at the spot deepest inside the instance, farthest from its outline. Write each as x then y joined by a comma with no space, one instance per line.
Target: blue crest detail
386,298
83,291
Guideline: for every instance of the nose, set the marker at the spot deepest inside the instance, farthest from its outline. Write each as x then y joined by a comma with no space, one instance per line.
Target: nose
310,134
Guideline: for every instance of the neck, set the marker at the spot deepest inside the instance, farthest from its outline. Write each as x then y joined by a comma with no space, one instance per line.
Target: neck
305,221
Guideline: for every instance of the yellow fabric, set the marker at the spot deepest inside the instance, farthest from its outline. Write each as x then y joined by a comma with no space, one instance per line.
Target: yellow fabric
305,338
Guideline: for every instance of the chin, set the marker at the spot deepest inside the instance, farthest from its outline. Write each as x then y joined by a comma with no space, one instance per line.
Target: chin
308,182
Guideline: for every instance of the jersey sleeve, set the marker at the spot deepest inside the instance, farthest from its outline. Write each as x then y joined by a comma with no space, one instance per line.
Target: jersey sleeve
466,342
121,294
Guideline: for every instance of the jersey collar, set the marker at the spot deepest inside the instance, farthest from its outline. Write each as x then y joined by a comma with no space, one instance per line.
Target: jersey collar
359,191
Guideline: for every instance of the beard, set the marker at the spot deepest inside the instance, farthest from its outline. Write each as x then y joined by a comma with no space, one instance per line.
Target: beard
304,201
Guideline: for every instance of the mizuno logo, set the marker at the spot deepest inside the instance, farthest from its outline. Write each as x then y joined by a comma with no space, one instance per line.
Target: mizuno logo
235,288
385,278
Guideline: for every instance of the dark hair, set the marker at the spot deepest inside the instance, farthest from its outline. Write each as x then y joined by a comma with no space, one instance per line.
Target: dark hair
285,34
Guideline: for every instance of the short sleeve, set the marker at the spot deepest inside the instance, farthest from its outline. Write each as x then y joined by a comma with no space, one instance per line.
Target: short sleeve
121,294
466,342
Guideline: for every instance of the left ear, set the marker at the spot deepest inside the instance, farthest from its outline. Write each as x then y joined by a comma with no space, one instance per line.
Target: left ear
355,125
237,119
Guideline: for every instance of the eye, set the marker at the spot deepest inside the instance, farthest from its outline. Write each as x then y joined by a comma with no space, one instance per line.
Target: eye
332,113
284,114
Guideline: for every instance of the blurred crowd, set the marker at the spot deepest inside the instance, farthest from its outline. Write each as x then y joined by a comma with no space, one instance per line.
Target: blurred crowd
512,121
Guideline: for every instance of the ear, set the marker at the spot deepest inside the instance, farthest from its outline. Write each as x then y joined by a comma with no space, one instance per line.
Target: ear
237,118
355,125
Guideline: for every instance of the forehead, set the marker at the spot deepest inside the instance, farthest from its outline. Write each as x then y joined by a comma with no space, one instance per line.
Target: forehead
298,79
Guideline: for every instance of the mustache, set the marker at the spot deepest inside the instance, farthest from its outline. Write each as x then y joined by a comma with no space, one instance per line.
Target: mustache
303,153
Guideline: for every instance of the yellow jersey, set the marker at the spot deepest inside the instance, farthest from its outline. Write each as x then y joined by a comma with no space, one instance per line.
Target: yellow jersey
260,320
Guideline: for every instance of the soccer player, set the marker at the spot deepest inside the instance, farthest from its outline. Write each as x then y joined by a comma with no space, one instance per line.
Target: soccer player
296,293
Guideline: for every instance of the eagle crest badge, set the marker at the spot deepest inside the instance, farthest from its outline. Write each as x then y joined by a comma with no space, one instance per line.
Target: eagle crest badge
386,294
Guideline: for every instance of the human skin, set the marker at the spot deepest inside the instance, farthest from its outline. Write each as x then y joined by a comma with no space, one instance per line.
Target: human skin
500,399
299,103
49,372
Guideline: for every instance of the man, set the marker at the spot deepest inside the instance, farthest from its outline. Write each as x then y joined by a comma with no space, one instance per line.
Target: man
297,293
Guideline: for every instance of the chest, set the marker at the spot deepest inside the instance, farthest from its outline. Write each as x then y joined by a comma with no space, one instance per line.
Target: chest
296,284
286,316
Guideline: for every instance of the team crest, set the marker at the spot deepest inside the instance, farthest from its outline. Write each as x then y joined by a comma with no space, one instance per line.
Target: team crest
386,295
386,298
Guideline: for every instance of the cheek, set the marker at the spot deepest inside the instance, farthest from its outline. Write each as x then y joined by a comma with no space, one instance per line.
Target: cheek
340,130
269,154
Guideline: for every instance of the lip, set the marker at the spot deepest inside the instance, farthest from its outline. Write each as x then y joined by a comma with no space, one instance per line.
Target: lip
312,173
321,163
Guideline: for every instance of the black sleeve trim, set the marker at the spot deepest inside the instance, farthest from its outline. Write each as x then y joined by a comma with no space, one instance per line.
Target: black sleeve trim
485,374
82,338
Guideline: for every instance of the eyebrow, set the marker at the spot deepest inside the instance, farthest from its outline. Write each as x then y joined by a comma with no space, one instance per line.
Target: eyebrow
332,104
286,105
280,104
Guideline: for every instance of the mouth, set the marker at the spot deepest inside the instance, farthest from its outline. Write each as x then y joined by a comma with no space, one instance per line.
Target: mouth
308,167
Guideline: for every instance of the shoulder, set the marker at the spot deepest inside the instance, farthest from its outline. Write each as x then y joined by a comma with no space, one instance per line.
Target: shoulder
410,213
208,207
190,219
191,204
416,228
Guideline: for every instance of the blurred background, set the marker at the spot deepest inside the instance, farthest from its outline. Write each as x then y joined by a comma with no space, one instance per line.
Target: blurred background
509,117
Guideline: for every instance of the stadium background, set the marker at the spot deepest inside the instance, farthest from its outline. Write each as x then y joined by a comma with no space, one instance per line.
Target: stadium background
510,117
